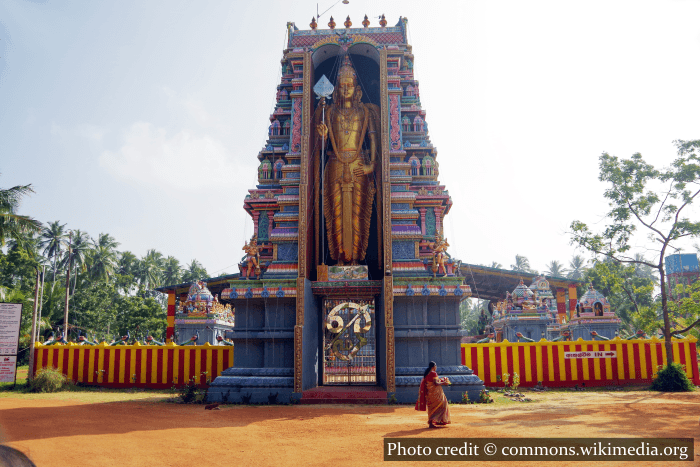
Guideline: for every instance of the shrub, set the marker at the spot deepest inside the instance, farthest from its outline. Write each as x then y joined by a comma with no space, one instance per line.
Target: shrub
672,379
47,380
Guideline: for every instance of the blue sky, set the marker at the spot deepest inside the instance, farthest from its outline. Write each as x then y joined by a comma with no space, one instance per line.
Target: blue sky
144,119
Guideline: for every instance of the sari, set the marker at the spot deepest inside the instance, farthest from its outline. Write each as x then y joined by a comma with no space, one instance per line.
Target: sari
433,398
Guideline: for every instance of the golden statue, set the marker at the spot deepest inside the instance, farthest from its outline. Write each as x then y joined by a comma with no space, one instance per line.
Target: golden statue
349,176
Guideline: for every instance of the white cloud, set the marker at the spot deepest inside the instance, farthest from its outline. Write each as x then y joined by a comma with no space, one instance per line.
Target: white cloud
185,161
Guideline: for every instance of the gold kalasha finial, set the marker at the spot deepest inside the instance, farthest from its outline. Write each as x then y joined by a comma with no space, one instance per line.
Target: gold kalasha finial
331,23
347,22
382,21
313,24
365,22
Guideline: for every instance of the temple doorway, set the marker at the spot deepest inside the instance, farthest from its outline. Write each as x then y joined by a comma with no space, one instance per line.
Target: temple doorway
349,343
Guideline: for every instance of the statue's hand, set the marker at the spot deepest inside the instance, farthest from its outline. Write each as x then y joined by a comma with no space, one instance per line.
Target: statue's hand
364,169
322,129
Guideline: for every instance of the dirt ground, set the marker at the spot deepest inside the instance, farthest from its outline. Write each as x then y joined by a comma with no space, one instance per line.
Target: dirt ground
141,429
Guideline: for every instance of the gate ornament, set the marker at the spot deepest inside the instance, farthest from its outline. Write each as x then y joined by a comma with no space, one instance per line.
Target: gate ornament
348,342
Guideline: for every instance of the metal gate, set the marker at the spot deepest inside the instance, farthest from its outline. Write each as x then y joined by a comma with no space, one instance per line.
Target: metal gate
349,342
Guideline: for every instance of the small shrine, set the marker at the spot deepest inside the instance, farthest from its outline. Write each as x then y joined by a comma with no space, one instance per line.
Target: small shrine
526,313
203,316
592,315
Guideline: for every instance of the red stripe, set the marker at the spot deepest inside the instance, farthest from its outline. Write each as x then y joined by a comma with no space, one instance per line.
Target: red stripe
86,365
533,364
579,366
647,357
509,361
464,357
521,363
96,365
625,362
193,355
105,376
592,362
66,353
487,367
214,364
227,362
694,362
567,364
613,365
76,364
475,362
137,369
659,356
497,354
171,354
149,366
54,363
545,364
127,367
203,366
555,364
117,365
181,366
637,362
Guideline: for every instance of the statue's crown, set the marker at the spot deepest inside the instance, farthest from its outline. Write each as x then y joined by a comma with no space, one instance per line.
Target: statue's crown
346,69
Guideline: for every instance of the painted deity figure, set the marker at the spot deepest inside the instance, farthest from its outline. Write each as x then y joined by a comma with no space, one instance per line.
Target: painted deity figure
439,247
252,257
349,177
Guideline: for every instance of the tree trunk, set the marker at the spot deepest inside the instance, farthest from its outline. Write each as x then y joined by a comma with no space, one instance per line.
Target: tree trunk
664,308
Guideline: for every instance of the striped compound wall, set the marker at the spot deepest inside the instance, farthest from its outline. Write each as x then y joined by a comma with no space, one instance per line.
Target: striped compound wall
135,365
582,363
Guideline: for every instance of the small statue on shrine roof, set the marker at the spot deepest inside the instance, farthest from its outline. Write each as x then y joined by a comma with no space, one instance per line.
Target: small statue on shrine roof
439,247
252,258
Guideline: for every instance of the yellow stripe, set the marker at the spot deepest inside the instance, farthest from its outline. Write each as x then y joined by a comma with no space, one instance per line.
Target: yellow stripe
550,359
620,364
562,363
676,356
630,361
123,377
171,321
480,360
81,363
654,362
584,364
467,356
688,362
186,367
504,360
220,363
528,363
597,362
39,360
171,299
574,364
492,363
664,354
643,359
132,377
60,358
154,365
91,365
164,376
144,374
608,363
516,363
200,352
176,366
210,375
69,370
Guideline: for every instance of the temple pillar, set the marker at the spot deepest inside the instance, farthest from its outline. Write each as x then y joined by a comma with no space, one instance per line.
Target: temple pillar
572,300
561,304
438,219
422,220
170,330
271,219
256,217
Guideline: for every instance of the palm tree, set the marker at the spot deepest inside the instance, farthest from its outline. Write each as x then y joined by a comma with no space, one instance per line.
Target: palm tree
172,271
149,269
556,269
522,264
496,265
194,271
576,267
644,271
79,251
127,263
12,225
103,257
53,241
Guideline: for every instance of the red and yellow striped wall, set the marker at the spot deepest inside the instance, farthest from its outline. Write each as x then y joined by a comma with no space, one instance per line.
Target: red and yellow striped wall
635,363
135,365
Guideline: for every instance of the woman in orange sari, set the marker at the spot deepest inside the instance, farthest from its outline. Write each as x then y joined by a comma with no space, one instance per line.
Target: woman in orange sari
433,398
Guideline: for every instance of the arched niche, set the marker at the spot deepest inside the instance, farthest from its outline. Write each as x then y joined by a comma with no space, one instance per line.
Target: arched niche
365,59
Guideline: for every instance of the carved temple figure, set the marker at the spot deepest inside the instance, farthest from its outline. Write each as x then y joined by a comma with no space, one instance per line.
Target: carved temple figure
349,175
252,258
439,247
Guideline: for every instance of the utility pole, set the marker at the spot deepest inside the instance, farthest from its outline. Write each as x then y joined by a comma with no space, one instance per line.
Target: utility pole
41,301
70,261
33,334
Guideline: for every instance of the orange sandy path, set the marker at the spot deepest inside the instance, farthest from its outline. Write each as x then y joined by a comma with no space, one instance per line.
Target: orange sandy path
153,433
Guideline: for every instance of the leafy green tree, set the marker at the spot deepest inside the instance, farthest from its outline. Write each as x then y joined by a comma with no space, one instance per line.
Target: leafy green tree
643,197
172,271
149,270
195,271
556,269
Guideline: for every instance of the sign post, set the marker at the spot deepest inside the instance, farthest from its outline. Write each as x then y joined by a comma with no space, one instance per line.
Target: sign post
10,316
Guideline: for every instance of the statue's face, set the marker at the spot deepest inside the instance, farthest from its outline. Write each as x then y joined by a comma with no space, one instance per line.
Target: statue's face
347,86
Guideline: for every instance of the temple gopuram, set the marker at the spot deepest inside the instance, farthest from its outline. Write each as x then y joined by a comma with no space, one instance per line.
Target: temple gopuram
347,283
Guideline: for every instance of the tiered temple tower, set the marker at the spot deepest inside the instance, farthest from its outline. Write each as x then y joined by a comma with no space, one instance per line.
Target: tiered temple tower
347,280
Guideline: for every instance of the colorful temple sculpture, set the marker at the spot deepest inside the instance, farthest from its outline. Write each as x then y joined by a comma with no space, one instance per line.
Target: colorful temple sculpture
592,315
526,313
347,279
202,315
